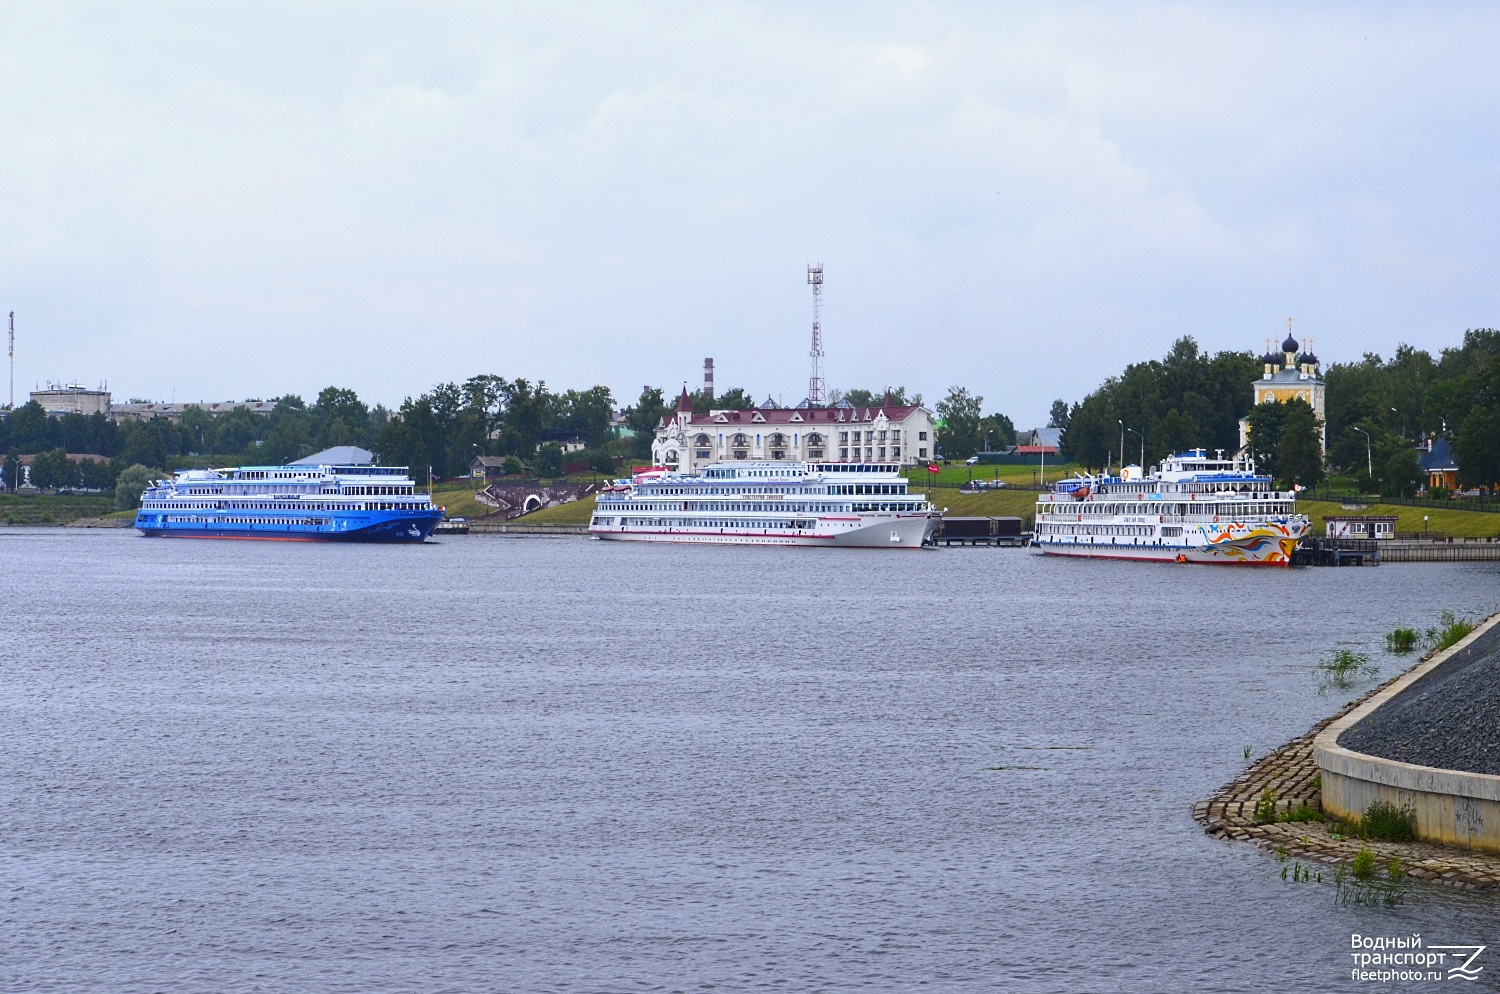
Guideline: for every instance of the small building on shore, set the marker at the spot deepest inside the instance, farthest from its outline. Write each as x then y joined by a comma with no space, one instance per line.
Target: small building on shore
1360,526
1439,466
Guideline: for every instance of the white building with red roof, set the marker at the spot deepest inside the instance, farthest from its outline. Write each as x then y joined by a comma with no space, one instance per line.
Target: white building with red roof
889,433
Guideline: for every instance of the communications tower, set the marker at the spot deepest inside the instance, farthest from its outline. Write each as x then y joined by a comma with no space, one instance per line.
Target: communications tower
12,360
815,382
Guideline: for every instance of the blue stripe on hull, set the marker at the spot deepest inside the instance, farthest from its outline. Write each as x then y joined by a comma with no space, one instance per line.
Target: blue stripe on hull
357,528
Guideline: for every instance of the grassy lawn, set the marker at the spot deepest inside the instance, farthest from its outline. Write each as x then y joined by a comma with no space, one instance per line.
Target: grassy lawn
1457,524
50,509
957,474
576,513
458,497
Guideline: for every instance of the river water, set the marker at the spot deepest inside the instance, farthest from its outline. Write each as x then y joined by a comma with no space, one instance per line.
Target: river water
489,764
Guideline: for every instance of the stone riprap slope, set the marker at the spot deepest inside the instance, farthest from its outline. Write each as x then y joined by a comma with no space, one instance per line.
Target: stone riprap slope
1450,719
1294,780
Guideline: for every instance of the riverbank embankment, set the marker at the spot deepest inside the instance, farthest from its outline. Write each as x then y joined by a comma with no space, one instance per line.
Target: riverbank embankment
1256,806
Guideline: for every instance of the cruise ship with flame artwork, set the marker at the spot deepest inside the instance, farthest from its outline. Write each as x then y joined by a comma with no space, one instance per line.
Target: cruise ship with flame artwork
1192,509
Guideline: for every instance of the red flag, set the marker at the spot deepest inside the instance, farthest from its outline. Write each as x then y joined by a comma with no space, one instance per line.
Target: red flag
932,468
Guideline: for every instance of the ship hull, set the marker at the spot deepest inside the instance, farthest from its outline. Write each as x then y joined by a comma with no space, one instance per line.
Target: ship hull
1266,550
395,528
908,532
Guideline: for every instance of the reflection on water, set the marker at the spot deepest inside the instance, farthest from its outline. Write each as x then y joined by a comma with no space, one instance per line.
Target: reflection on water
567,765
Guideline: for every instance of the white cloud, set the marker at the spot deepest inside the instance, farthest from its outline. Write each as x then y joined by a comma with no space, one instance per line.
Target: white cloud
609,193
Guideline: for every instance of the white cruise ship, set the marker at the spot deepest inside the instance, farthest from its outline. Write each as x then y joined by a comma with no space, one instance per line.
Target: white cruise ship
1193,509
769,503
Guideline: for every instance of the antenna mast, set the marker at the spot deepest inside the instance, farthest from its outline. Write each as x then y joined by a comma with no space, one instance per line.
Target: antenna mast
815,382
12,360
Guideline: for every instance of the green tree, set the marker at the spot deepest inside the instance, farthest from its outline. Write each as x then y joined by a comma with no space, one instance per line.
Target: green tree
1208,395
145,444
12,471
643,418
236,430
132,483
1402,473
53,470
339,417
1059,414
549,461
30,429
288,432
95,474
996,431
197,430
733,399
411,438
959,413
1267,422
1476,448
1299,453
585,414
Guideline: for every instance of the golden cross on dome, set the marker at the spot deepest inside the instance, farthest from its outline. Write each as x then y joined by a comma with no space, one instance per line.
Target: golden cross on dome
1288,326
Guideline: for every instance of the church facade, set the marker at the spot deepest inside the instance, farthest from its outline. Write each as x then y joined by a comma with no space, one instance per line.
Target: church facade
1293,374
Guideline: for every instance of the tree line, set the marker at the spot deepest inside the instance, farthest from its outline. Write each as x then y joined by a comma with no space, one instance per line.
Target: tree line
1377,411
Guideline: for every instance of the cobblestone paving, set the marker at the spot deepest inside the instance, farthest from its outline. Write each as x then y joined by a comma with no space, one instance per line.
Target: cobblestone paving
1293,778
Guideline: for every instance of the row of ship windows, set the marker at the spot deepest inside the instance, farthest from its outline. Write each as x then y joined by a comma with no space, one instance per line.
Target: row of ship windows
702,523
852,489
360,491
271,505
781,507
1155,507
1085,529
217,520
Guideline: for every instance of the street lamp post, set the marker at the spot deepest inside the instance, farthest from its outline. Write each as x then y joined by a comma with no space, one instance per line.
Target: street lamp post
1143,449
1369,462
1122,442
1424,527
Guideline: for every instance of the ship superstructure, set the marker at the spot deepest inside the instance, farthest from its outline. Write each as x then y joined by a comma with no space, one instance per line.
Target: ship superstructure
769,503
290,503
1192,508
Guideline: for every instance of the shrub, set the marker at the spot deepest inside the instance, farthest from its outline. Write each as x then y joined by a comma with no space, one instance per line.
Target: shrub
133,480
1265,808
1302,813
1363,865
1402,640
1450,631
1384,820
1346,666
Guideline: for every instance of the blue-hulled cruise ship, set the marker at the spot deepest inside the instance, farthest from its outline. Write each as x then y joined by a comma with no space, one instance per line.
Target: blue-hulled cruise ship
290,503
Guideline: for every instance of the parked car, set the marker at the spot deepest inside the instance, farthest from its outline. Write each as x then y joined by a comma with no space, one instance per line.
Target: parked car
972,461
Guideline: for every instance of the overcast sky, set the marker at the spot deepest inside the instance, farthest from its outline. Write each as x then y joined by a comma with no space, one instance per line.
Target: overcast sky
224,201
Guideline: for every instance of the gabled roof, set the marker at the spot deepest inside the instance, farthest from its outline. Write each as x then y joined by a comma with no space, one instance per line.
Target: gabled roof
1439,458
339,455
811,417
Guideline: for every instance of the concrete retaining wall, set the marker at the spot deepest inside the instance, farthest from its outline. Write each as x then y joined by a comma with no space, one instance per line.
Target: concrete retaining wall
1454,808
481,527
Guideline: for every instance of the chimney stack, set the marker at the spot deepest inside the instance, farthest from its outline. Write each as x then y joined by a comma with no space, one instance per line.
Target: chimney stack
708,380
